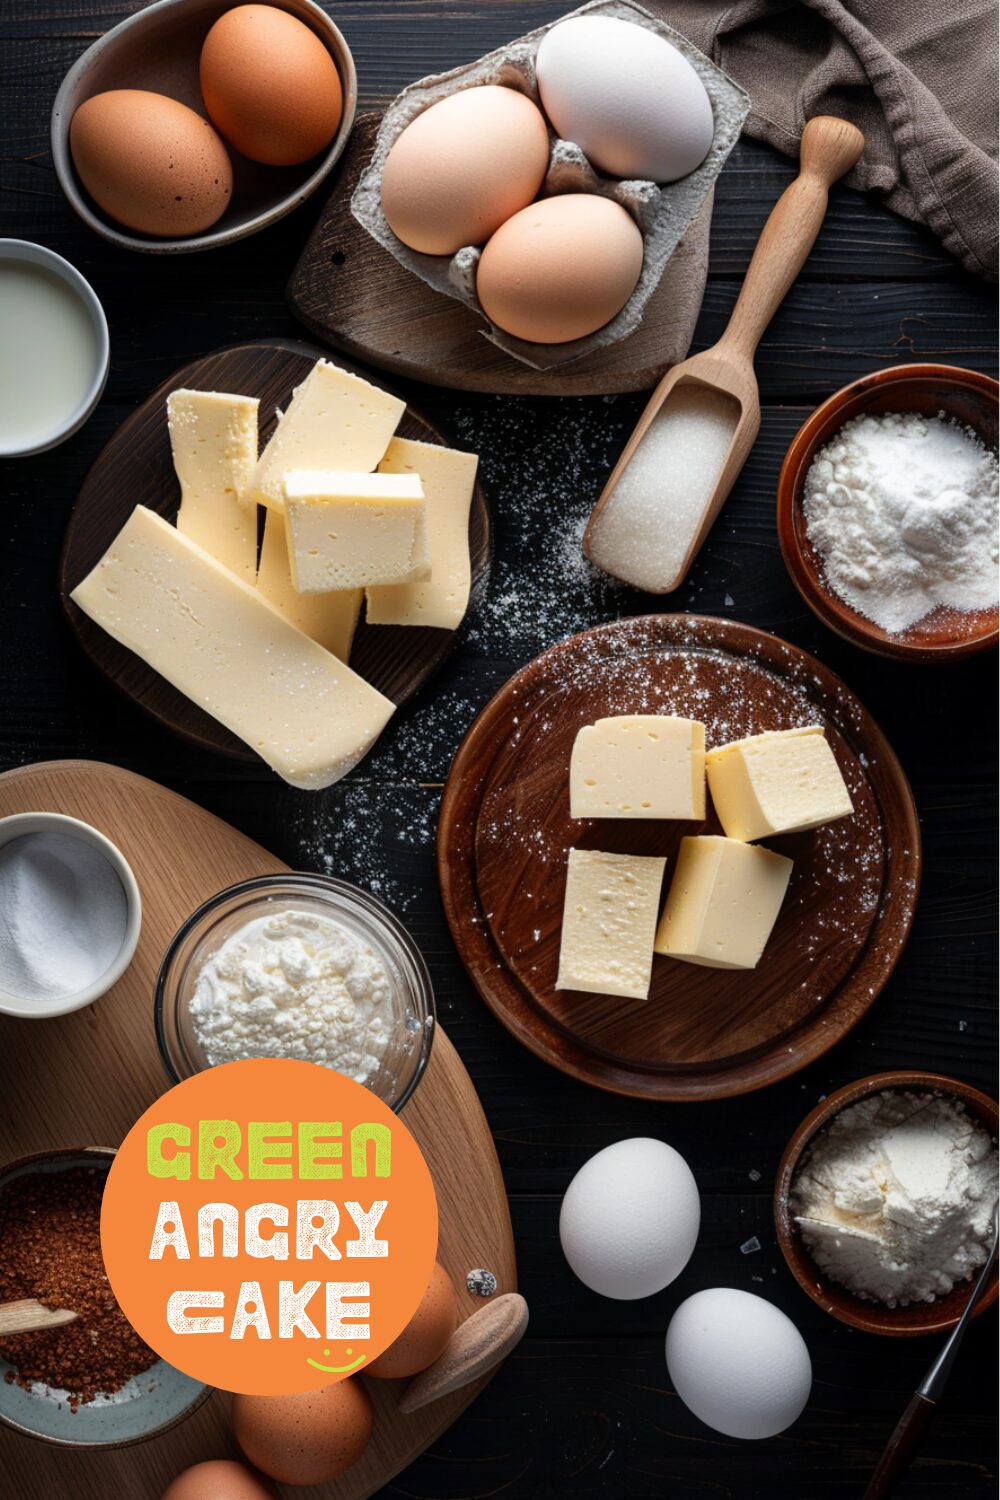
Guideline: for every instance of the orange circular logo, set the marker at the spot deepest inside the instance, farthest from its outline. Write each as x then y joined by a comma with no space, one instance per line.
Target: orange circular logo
269,1227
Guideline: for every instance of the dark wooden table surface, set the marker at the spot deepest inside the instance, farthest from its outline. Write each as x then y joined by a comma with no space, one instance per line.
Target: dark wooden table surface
584,1407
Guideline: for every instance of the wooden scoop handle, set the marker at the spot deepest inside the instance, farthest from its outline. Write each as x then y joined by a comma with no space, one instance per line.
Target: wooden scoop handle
829,148
30,1316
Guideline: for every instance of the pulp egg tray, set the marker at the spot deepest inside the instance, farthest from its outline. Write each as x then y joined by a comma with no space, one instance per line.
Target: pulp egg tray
664,213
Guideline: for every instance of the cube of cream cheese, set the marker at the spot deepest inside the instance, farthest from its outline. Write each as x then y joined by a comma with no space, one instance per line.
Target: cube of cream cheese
349,530
783,781
638,766
609,921
723,902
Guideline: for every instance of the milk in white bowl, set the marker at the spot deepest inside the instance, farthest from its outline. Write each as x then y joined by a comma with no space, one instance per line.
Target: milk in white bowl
53,349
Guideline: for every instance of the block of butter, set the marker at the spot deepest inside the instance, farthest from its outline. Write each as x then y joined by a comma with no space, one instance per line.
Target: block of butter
723,902
334,421
330,619
783,781
348,530
213,438
609,921
638,766
448,478
219,642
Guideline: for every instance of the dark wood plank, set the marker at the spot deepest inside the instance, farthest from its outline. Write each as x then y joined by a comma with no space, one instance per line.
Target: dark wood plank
583,1409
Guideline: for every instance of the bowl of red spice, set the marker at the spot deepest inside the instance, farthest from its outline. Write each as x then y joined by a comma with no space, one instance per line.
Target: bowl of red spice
91,1383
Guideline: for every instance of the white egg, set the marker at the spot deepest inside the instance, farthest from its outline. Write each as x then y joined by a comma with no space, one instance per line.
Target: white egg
630,1218
625,95
738,1363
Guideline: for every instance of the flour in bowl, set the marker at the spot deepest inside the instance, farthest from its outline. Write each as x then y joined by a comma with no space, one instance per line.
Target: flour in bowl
896,1198
903,512
295,984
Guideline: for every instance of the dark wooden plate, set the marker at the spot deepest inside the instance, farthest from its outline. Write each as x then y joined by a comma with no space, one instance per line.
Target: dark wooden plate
135,467
505,830
353,294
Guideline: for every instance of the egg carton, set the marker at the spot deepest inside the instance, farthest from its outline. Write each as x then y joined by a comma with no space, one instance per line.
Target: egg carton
664,213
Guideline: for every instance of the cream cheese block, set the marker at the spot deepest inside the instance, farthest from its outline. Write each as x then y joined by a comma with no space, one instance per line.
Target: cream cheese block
219,642
783,781
213,437
334,421
638,766
329,619
723,902
449,479
609,921
347,530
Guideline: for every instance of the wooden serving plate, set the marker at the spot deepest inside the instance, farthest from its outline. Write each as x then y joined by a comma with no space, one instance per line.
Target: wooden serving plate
353,294
135,467
83,1079
505,830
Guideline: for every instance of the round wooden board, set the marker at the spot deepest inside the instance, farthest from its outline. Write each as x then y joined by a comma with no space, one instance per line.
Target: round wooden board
83,1079
505,830
353,294
135,466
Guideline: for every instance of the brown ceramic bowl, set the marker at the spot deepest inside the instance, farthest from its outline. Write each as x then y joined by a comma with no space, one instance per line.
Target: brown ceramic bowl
963,394
872,1317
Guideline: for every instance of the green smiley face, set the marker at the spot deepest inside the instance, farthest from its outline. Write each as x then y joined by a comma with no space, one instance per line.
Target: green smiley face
337,1369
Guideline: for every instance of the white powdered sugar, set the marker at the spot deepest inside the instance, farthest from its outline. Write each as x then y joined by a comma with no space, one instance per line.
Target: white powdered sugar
295,984
903,512
896,1198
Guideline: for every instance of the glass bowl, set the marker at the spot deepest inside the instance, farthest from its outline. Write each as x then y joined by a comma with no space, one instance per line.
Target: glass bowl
364,918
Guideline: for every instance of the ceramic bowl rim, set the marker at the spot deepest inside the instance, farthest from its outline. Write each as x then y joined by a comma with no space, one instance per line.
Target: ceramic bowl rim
29,252
108,1153
818,427
869,1317
211,238
44,1010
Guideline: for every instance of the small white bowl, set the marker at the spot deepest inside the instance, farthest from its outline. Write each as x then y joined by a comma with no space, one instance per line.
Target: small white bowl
27,253
16,827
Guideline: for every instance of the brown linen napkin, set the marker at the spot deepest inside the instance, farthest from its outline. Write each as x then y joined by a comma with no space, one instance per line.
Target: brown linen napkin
919,77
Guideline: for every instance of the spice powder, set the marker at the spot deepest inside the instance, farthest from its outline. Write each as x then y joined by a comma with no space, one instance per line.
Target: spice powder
50,1230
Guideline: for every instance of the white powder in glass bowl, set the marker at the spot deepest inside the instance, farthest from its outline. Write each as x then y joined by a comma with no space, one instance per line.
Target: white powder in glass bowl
295,984
895,1198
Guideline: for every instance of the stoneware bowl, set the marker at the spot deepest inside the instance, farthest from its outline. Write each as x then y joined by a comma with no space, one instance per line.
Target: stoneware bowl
25,252
872,1317
158,49
17,826
150,1404
971,399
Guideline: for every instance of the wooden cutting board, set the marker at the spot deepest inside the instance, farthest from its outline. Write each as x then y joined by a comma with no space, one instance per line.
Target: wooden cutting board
136,466
505,830
83,1079
353,294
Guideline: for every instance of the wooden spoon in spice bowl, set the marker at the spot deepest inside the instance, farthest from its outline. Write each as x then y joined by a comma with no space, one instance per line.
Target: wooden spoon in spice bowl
29,1316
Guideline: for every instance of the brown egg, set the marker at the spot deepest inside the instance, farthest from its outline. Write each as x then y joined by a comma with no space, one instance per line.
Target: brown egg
462,167
220,1479
270,85
151,163
305,1439
560,269
425,1335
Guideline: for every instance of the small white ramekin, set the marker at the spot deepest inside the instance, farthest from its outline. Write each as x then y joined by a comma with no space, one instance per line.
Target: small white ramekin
31,254
16,827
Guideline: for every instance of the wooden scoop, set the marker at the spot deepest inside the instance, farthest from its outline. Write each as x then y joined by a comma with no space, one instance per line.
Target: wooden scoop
829,148
30,1316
